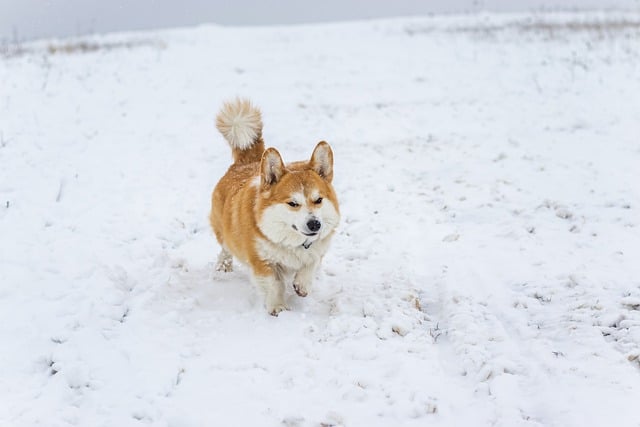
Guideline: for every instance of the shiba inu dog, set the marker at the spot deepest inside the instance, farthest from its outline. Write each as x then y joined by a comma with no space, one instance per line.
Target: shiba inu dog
278,219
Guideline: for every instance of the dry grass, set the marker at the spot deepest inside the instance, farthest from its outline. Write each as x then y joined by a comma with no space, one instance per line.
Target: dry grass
554,29
84,47
13,49
544,27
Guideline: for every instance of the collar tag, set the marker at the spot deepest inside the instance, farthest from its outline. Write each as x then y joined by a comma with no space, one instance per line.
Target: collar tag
307,244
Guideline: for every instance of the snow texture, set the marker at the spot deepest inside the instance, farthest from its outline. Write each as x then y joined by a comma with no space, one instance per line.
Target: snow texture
485,271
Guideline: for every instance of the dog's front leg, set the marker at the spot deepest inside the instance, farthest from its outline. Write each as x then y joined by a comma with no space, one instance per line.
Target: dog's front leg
273,287
303,279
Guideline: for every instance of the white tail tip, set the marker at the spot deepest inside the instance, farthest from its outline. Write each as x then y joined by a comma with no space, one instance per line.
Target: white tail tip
240,123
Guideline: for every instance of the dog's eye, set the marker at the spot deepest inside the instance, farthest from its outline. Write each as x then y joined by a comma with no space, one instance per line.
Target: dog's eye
293,204
318,201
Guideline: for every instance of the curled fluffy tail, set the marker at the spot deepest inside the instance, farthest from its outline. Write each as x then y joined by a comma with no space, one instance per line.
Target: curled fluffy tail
240,123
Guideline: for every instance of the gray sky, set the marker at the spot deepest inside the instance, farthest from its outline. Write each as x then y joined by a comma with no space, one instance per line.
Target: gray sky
30,19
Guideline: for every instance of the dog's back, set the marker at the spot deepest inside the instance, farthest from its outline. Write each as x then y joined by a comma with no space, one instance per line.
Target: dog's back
240,123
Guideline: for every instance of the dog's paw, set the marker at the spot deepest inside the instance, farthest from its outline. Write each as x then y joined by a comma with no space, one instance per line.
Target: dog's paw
225,261
300,289
225,265
277,309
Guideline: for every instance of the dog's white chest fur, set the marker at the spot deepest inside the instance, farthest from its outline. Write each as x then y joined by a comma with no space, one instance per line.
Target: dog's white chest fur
293,258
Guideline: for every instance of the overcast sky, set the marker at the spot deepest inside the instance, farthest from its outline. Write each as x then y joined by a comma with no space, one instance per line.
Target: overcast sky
29,19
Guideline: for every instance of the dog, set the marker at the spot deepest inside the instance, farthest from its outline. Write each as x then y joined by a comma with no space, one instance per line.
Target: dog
277,219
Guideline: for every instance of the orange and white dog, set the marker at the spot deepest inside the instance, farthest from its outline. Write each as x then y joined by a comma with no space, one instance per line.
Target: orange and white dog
278,219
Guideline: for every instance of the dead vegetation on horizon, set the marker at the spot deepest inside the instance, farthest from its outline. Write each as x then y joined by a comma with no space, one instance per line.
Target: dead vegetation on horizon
543,26
71,47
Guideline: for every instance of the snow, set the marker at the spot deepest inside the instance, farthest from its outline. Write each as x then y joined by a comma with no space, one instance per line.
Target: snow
485,271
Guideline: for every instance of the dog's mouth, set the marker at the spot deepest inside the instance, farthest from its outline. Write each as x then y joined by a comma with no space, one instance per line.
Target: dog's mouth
302,232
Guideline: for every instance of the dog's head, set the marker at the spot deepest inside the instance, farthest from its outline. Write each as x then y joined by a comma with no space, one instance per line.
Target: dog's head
297,204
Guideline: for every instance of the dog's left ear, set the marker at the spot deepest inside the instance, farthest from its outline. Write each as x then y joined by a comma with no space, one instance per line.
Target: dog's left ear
322,160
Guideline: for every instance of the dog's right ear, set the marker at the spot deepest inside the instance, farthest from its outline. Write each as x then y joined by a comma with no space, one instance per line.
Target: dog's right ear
271,167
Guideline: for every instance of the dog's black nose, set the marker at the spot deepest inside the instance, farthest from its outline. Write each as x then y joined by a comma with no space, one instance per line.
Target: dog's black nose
313,225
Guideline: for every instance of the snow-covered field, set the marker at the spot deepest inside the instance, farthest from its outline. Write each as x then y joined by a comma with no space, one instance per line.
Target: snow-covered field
487,267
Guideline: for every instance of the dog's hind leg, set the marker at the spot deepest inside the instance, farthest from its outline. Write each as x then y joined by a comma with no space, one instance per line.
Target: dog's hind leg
225,261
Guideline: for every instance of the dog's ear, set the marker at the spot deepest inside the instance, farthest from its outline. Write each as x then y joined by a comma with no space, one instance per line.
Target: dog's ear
322,160
271,167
